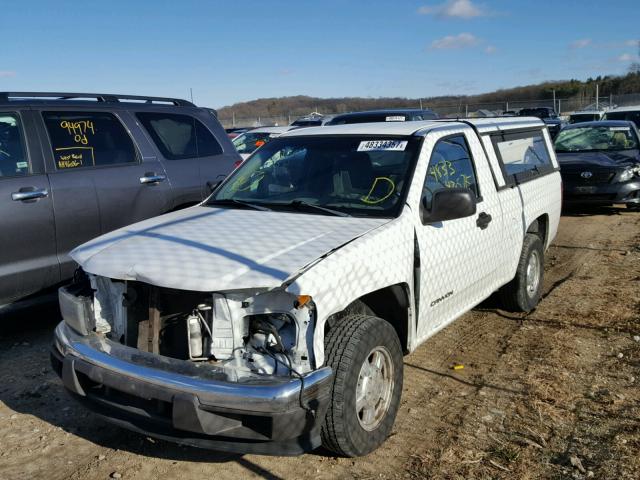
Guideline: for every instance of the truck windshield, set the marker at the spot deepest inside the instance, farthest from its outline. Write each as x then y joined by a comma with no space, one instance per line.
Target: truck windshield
596,139
361,176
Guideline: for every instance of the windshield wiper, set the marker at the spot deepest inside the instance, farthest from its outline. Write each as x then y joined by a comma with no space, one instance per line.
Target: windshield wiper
233,201
300,203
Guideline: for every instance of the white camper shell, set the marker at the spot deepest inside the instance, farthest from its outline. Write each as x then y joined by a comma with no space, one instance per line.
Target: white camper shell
273,317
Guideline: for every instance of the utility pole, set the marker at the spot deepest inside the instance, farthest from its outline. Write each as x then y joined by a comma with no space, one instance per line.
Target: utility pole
597,96
420,104
233,119
554,98
191,93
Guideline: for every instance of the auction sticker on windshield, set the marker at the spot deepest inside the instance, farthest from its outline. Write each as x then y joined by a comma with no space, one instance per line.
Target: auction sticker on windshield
382,145
395,118
619,129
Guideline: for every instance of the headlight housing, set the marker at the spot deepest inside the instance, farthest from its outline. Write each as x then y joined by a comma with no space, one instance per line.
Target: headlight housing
626,175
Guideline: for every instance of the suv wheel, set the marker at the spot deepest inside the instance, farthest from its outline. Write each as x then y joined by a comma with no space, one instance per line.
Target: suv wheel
524,291
366,357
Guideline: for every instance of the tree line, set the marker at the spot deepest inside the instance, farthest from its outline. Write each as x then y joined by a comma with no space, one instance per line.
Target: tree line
302,104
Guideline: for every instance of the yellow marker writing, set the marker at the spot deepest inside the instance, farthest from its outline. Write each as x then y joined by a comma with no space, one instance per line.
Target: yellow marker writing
367,198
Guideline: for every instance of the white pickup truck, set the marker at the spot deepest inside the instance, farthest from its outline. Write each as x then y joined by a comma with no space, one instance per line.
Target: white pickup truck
274,317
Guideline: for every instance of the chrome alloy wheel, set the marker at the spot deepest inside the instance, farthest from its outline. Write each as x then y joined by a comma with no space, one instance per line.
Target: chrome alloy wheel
375,388
533,274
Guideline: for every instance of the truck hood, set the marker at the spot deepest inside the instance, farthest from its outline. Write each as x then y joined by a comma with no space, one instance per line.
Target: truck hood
601,159
214,249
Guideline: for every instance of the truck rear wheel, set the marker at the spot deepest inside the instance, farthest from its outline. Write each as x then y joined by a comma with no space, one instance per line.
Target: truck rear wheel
366,357
523,293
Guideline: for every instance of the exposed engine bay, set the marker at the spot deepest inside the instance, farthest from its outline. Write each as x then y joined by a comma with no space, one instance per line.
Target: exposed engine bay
251,331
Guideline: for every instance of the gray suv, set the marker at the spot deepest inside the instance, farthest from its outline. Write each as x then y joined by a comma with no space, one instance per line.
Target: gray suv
75,165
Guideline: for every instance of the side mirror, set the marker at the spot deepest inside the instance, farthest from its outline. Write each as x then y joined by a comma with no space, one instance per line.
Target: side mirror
448,204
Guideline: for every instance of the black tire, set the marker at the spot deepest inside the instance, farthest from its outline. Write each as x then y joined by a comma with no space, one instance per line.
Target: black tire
634,207
347,345
515,295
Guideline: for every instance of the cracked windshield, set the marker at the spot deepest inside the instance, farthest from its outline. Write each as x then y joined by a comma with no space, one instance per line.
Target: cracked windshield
354,176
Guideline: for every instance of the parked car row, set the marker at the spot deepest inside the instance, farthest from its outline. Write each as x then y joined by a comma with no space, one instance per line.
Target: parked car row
248,140
599,161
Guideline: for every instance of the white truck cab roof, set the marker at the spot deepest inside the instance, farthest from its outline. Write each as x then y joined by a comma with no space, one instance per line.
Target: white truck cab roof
420,128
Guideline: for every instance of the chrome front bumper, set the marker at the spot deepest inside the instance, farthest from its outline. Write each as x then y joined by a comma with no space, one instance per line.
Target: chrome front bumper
194,404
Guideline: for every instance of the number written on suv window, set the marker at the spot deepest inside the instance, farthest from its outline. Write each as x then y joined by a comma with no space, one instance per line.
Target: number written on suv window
179,136
88,139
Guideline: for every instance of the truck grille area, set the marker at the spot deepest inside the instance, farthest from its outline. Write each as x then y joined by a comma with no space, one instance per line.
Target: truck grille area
574,176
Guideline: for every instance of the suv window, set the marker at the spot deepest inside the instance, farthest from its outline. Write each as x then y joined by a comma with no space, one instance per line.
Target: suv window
13,158
522,153
450,166
179,136
88,139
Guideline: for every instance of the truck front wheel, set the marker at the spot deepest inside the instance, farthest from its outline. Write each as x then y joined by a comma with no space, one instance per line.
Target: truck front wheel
366,357
523,293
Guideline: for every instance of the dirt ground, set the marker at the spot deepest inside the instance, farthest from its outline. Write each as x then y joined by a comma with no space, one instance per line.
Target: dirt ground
552,394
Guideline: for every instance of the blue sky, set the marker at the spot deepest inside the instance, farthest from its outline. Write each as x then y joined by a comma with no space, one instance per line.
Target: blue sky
235,51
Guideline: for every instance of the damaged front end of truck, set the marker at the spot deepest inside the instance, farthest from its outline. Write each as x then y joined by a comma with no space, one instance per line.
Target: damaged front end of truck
232,370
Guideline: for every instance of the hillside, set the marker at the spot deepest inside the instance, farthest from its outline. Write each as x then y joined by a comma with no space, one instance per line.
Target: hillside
575,91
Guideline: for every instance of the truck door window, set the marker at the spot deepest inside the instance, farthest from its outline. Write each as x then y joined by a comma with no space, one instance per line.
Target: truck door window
450,166
179,136
522,155
13,157
88,139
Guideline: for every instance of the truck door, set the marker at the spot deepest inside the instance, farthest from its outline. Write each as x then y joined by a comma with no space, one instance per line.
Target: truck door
28,261
99,180
458,258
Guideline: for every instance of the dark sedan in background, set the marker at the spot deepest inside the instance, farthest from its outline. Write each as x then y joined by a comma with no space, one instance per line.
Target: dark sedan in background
600,163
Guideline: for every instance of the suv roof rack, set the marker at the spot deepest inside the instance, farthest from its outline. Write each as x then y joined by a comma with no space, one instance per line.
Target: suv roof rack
99,97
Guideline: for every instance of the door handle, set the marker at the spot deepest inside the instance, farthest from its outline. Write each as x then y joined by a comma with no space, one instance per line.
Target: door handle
483,221
151,177
22,195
